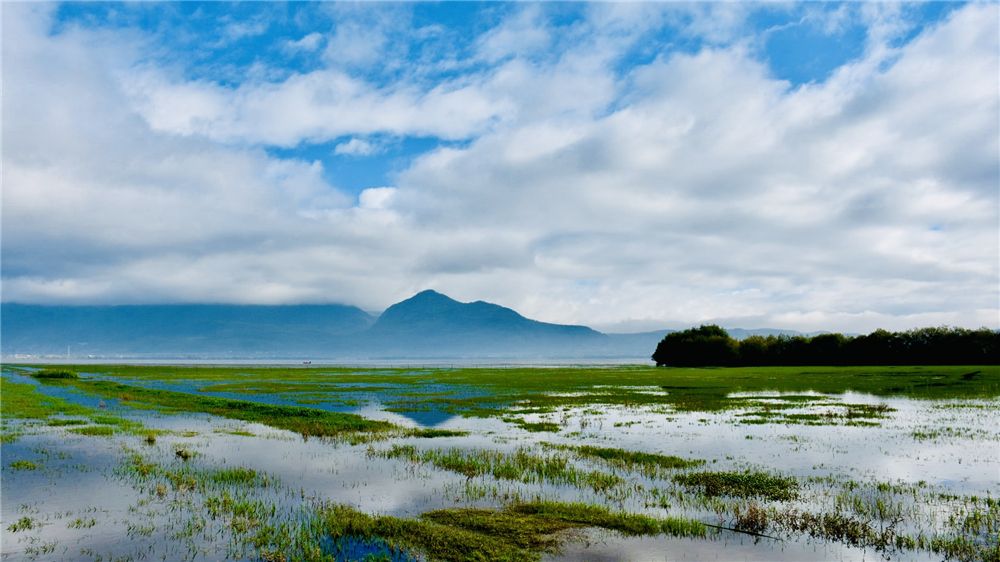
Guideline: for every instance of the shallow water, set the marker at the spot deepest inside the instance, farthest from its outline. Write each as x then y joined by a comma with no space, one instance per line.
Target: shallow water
79,477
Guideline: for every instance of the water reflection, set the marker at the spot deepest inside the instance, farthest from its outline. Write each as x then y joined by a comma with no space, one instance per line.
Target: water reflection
79,479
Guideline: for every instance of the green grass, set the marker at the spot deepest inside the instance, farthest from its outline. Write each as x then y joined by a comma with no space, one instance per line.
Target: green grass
306,421
432,433
66,422
534,427
10,435
95,430
519,532
54,374
23,465
647,463
747,484
82,523
522,465
21,400
240,476
494,391
23,524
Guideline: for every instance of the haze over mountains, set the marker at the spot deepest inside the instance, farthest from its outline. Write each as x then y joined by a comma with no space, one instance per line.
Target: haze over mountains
428,325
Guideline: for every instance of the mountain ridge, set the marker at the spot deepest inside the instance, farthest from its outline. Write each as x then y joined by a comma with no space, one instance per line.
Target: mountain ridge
429,324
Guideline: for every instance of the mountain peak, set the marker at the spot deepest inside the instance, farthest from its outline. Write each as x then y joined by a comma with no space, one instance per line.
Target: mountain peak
430,295
430,314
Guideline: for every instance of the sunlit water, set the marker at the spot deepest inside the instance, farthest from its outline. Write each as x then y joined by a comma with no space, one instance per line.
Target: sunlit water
79,477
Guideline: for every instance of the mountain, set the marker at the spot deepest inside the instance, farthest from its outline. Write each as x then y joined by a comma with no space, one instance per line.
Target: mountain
428,325
431,316
176,330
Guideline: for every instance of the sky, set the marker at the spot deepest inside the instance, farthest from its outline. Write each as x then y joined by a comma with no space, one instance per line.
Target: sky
629,166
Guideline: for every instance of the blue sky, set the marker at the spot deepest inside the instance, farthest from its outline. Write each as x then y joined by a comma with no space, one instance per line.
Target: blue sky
227,43
629,165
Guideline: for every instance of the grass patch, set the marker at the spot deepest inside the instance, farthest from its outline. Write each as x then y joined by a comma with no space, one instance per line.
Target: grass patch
95,430
237,432
520,532
54,374
535,427
22,400
522,466
647,463
9,436
240,476
82,523
630,524
432,433
66,422
23,524
23,465
741,484
182,477
307,422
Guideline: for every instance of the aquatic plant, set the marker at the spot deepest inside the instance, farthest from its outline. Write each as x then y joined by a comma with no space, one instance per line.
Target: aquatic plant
23,524
650,464
522,465
54,374
741,484
519,532
95,430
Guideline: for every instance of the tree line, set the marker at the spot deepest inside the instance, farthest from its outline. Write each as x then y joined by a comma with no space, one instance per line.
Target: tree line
711,345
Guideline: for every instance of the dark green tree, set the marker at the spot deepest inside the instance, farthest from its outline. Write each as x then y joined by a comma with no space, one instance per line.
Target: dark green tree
705,345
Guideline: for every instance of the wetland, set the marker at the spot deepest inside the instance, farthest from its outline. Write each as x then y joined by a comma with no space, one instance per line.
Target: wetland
125,462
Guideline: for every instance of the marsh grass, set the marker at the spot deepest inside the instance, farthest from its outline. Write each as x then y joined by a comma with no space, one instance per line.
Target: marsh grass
82,523
629,524
497,391
21,400
748,484
522,465
307,422
649,464
519,532
54,374
240,476
10,435
432,433
95,430
236,432
534,427
23,524
184,454
65,422
22,464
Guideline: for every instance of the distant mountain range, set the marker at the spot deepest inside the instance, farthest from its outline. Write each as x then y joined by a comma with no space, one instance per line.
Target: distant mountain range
428,325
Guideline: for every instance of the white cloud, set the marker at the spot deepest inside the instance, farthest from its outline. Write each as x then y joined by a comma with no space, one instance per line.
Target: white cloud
317,106
524,33
694,188
357,147
308,43
376,198
242,29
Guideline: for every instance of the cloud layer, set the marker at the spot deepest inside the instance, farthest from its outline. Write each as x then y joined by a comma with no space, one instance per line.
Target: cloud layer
580,181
